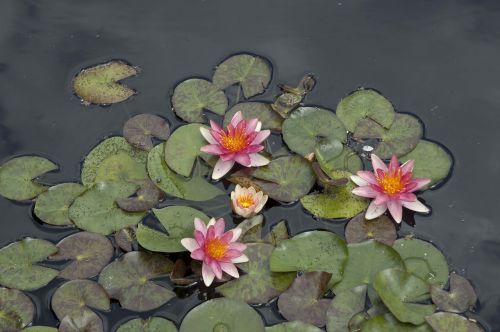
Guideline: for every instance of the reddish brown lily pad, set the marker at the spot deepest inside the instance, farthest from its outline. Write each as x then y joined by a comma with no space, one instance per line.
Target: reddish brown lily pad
147,197
381,229
16,310
460,298
126,239
87,322
139,130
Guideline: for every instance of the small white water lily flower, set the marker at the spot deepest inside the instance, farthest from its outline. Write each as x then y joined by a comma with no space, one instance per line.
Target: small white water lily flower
247,202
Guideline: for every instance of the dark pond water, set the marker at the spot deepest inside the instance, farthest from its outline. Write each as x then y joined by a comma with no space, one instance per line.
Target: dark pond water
436,59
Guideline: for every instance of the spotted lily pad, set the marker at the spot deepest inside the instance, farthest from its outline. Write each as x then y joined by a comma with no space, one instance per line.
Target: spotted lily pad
147,197
100,84
222,315
88,322
278,233
381,229
17,177
16,310
251,110
127,279
89,253
444,322
152,324
40,329
17,264
52,206
331,163
253,73
126,239
307,125
343,307
460,298
251,229
388,323
296,326
139,130
194,95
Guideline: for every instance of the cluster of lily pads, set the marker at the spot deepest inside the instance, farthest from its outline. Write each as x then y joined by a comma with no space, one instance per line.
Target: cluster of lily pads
139,194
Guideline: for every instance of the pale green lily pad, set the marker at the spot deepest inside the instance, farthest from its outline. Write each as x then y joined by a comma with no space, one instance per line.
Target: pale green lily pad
152,324
388,323
223,315
278,233
256,110
40,329
347,160
18,177
16,310
139,130
52,206
100,84
431,161
17,264
460,298
96,210
423,260
381,229
147,196
259,284
307,125
365,104
444,322
344,306
88,322
251,229
296,326
400,290
327,150
253,73
127,279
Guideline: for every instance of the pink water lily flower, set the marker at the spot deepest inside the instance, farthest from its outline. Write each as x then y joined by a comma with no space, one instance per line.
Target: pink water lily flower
240,143
247,202
218,250
391,188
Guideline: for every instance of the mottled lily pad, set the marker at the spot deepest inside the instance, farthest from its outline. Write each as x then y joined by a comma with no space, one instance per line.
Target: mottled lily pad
89,253
347,160
251,229
194,95
307,125
222,315
278,233
100,84
17,177
388,323
251,110
343,307
147,197
40,329
296,326
444,322
460,298
17,269
253,73
52,206
139,130
88,322
16,310
125,239
127,279
152,324
381,229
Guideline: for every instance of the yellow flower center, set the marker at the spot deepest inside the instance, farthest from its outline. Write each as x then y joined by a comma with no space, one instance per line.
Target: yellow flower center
245,201
235,142
216,249
391,183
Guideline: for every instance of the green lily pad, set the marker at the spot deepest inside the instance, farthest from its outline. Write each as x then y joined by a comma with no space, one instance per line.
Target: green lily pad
327,149
17,177
178,222
139,130
224,315
460,298
363,104
152,324
16,310
347,160
89,253
400,290
388,323
194,95
52,206
307,125
296,326
381,229
278,233
251,110
127,279
17,264
251,229
423,260
259,284
147,197
40,329
100,84
253,73
344,306
303,300
88,322
286,179
311,251
444,322
96,211
431,161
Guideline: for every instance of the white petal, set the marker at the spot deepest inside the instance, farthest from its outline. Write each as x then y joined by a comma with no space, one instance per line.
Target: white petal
211,222
236,234
416,206
241,212
257,160
190,244
230,269
377,163
259,126
207,135
208,274
359,181
241,259
221,168
375,210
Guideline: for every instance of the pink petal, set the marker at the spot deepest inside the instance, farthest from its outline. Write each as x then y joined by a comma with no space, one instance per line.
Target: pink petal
243,159
358,180
365,191
219,227
200,238
377,163
210,233
367,176
200,226
214,149
227,156
407,167
261,136
419,183
207,135
214,265
211,222
238,246
232,253
236,234
207,274
226,237
394,164
257,160
375,210
251,125
253,149
236,119
242,259
230,269
408,197
381,199
215,126
198,254
416,206
190,244
395,209
221,168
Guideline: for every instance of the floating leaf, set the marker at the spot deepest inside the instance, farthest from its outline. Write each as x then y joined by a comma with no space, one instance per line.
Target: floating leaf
307,125
296,326
88,322
444,322
139,130
40,329
17,269
347,160
460,298
100,84
381,229
365,104
388,323
16,310
89,253
251,110
178,275
222,315
17,177
251,229
194,95
152,324
52,206
125,239
253,73
127,279
327,149
343,307
259,284
278,233
303,300
147,197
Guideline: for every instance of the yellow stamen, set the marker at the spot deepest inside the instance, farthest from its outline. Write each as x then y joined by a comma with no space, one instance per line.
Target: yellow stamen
235,142
216,249
245,201
391,183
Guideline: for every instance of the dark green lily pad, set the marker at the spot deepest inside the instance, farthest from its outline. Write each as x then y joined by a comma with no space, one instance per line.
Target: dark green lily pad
52,206
278,233
89,253
139,130
127,279
40,329
152,324
100,84
344,306
327,149
147,197
253,73
126,239
251,229
17,177
444,322
363,104
296,326
307,125
16,310
381,229
347,160
259,284
88,322
431,161
224,315
251,110
388,323
194,95
303,300
460,298
96,211
423,260
17,269
400,290
286,179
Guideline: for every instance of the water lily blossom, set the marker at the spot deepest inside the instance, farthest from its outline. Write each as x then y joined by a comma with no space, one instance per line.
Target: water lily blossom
240,143
218,250
390,187
247,202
